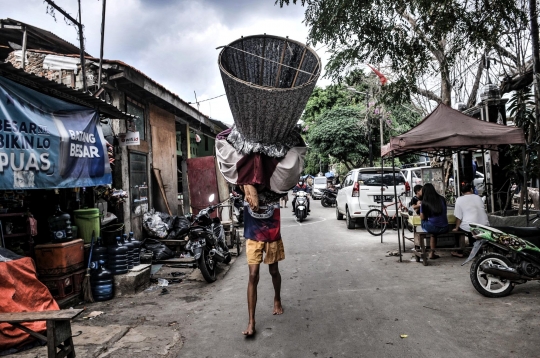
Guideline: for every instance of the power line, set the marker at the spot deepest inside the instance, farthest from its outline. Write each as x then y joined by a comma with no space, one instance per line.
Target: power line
208,99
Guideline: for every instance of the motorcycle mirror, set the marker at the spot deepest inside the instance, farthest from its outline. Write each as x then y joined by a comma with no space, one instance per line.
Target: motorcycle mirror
211,198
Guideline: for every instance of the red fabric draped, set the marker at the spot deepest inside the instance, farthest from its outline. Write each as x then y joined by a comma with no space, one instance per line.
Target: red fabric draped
21,291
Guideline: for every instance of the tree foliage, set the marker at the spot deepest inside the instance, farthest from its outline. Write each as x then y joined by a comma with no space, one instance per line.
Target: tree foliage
415,39
521,110
341,132
340,118
351,90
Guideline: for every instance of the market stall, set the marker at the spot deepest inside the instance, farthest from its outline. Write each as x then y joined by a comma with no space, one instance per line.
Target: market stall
55,182
445,131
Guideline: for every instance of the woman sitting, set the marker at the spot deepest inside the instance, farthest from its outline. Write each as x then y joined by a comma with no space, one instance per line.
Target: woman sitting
433,215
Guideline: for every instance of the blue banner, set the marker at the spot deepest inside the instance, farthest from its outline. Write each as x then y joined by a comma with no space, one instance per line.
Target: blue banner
48,143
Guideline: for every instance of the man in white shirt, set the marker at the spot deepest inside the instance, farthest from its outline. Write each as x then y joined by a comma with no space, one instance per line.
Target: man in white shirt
469,209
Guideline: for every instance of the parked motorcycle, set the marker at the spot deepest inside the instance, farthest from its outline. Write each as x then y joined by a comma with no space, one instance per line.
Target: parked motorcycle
207,241
503,258
328,198
238,207
301,206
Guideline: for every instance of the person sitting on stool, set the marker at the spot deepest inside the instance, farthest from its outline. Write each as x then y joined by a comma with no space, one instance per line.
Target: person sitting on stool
416,200
433,215
469,208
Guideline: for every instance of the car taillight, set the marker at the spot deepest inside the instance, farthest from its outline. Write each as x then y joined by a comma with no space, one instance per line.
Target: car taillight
407,186
356,190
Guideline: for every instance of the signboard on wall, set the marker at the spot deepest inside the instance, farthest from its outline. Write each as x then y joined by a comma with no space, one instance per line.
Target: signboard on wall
434,176
48,143
129,138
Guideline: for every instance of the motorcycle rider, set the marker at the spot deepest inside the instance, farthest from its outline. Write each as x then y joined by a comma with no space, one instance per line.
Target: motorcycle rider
301,186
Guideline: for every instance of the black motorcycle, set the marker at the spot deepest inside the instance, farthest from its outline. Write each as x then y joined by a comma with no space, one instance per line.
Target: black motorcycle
238,207
504,257
328,198
207,241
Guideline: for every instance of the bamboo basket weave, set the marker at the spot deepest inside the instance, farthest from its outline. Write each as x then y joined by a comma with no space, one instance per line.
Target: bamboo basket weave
268,81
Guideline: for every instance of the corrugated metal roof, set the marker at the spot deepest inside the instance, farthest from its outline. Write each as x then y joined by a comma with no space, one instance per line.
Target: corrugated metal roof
122,63
37,39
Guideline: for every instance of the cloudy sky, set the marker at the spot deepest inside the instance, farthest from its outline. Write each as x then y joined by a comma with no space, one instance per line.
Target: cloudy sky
171,41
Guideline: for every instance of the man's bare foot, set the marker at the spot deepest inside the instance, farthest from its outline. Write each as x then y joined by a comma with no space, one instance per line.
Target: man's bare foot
278,309
250,331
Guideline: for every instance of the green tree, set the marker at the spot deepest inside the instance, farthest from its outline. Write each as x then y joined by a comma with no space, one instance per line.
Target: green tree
315,162
521,110
415,39
341,132
338,94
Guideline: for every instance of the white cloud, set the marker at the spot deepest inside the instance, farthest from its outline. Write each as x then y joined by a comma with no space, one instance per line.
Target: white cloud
171,41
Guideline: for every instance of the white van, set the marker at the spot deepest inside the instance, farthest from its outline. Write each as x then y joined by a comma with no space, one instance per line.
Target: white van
361,191
413,176
318,184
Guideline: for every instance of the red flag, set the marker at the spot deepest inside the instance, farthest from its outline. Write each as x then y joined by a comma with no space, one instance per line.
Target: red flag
381,76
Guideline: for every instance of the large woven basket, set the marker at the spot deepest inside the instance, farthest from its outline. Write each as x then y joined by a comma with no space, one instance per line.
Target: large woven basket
268,81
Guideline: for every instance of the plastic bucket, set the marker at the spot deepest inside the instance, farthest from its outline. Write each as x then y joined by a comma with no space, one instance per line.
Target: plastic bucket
110,232
87,220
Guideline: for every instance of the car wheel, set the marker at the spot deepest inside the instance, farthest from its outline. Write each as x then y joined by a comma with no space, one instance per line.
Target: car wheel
339,215
350,222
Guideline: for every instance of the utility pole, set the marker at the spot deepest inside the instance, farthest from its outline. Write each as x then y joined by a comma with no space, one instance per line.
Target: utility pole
102,42
533,14
370,135
81,36
368,120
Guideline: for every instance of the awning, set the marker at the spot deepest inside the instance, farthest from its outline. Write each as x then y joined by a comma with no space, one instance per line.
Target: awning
446,129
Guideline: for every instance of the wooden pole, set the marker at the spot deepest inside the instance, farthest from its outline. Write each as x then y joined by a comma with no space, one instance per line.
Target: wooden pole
299,66
280,63
398,217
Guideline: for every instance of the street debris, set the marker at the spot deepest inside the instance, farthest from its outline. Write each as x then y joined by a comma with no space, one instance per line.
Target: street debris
177,273
164,291
93,314
403,336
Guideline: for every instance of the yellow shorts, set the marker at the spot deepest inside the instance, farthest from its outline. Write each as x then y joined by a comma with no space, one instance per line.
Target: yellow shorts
274,252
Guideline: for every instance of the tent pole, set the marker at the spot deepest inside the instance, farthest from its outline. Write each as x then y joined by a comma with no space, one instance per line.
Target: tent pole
382,197
526,192
398,218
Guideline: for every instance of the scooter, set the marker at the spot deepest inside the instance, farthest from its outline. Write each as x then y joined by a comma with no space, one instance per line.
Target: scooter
207,241
328,198
503,258
301,206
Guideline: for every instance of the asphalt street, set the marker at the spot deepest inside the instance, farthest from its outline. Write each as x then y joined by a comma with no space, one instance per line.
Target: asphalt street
344,297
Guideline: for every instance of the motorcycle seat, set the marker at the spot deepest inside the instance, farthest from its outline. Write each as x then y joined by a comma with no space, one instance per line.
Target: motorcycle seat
531,234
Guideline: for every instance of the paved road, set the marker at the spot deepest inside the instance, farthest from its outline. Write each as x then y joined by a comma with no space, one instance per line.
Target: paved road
344,298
